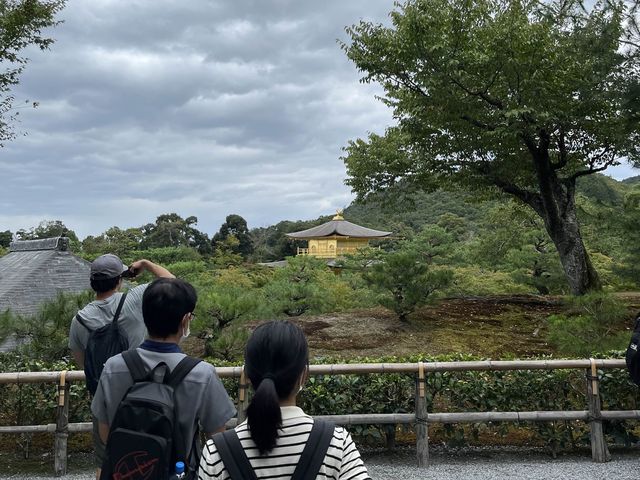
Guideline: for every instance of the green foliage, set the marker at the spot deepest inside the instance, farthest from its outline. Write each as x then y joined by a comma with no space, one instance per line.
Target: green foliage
188,270
474,391
590,326
296,288
22,23
114,240
164,255
229,344
226,253
468,107
528,120
47,332
171,230
405,279
5,238
235,226
479,281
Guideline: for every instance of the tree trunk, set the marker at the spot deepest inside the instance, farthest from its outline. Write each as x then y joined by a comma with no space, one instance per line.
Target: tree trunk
565,233
555,203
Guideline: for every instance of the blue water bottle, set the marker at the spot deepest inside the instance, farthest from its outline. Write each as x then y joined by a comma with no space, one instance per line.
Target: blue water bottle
179,472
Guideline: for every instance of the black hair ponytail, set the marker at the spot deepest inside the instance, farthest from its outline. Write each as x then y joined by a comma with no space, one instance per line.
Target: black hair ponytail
263,416
275,357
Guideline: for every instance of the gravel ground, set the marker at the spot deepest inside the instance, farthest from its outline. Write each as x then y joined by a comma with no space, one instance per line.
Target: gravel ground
475,465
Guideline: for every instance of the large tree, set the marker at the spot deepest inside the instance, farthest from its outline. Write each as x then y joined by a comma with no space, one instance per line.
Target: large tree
171,230
21,24
236,226
520,96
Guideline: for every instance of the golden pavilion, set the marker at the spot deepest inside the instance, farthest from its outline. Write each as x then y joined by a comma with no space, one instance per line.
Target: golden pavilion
335,238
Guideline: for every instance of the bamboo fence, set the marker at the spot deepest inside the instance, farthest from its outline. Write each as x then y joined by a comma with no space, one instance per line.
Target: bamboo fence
420,418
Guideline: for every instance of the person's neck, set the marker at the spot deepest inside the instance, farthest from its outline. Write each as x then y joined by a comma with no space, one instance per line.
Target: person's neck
170,339
105,295
290,401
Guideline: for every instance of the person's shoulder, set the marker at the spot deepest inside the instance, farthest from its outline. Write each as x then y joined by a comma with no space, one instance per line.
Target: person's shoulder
340,435
115,364
90,314
138,289
135,293
202,372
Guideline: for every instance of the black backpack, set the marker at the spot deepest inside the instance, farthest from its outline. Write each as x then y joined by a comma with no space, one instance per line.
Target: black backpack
103,343
145,440
633,354
239,468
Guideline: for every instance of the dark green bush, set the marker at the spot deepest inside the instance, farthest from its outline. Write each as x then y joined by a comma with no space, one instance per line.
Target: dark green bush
591,325
535,390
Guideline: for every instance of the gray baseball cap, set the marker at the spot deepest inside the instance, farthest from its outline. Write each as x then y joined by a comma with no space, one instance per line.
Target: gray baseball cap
107,266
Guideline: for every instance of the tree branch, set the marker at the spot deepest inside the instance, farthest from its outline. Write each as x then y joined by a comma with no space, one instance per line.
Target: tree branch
478,123
562,147
582,173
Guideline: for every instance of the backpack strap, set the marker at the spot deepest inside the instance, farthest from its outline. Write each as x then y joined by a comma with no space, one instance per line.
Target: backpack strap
83,322
181,370
314,451
233,456
119,309
174,379
135,365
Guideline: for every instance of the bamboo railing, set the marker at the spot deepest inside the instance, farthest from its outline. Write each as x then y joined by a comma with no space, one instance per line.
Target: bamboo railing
420,418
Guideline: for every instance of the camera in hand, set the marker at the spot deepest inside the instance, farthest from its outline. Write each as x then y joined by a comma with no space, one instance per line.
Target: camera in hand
130,273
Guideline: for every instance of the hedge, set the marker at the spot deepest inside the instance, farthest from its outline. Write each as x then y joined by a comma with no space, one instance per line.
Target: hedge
31,404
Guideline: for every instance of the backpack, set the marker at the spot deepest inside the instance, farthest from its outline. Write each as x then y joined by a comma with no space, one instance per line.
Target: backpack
145,440
238,466
633,354
103,343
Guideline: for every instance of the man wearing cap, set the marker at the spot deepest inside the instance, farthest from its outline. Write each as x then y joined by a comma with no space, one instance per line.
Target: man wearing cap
106,279
106,276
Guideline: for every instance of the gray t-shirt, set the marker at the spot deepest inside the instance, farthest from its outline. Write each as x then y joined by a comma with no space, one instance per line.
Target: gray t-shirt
100,312
201,398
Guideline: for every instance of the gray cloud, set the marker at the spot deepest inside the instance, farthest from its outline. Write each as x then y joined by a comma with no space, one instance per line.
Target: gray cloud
202,107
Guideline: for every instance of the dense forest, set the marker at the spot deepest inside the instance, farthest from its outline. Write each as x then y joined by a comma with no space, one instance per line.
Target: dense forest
445,244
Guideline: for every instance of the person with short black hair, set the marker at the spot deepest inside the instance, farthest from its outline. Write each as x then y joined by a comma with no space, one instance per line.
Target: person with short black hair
167,307
275,433
106,278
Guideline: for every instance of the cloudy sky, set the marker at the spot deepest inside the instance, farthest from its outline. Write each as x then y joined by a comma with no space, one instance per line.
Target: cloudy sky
199,107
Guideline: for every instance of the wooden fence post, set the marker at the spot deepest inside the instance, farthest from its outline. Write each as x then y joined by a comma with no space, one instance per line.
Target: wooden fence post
243,397
62,426
599,450
422,429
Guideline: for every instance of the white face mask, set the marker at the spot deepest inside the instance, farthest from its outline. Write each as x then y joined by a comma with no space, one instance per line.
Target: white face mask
186,333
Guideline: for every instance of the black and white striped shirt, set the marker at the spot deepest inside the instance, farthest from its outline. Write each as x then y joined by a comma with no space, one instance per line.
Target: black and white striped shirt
342,461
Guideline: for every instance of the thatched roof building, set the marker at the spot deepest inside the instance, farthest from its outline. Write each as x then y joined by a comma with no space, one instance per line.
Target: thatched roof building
34,271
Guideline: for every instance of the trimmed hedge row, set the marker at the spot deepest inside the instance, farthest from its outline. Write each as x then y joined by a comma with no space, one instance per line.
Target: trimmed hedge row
32,404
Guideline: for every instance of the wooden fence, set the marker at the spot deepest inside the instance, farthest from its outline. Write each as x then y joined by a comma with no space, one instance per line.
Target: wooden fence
421,419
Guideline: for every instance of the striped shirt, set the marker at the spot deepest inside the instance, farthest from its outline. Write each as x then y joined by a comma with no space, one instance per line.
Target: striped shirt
342,461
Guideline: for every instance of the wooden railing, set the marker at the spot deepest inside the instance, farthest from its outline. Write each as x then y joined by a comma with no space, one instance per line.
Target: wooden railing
592,413
328,253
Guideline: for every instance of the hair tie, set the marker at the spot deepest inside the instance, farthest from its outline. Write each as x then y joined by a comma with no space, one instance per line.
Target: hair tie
269,376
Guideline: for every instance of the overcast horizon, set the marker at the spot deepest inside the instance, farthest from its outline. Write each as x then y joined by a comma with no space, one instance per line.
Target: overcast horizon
201,108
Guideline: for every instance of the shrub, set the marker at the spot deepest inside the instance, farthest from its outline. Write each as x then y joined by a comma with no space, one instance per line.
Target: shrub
47,332
405,281
589,326
297,288
481,281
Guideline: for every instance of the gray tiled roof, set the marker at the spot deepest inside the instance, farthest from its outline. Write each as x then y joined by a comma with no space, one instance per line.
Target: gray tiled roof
340,228
35,271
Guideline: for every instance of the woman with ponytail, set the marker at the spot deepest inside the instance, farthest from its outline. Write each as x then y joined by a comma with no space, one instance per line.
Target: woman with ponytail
276,431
